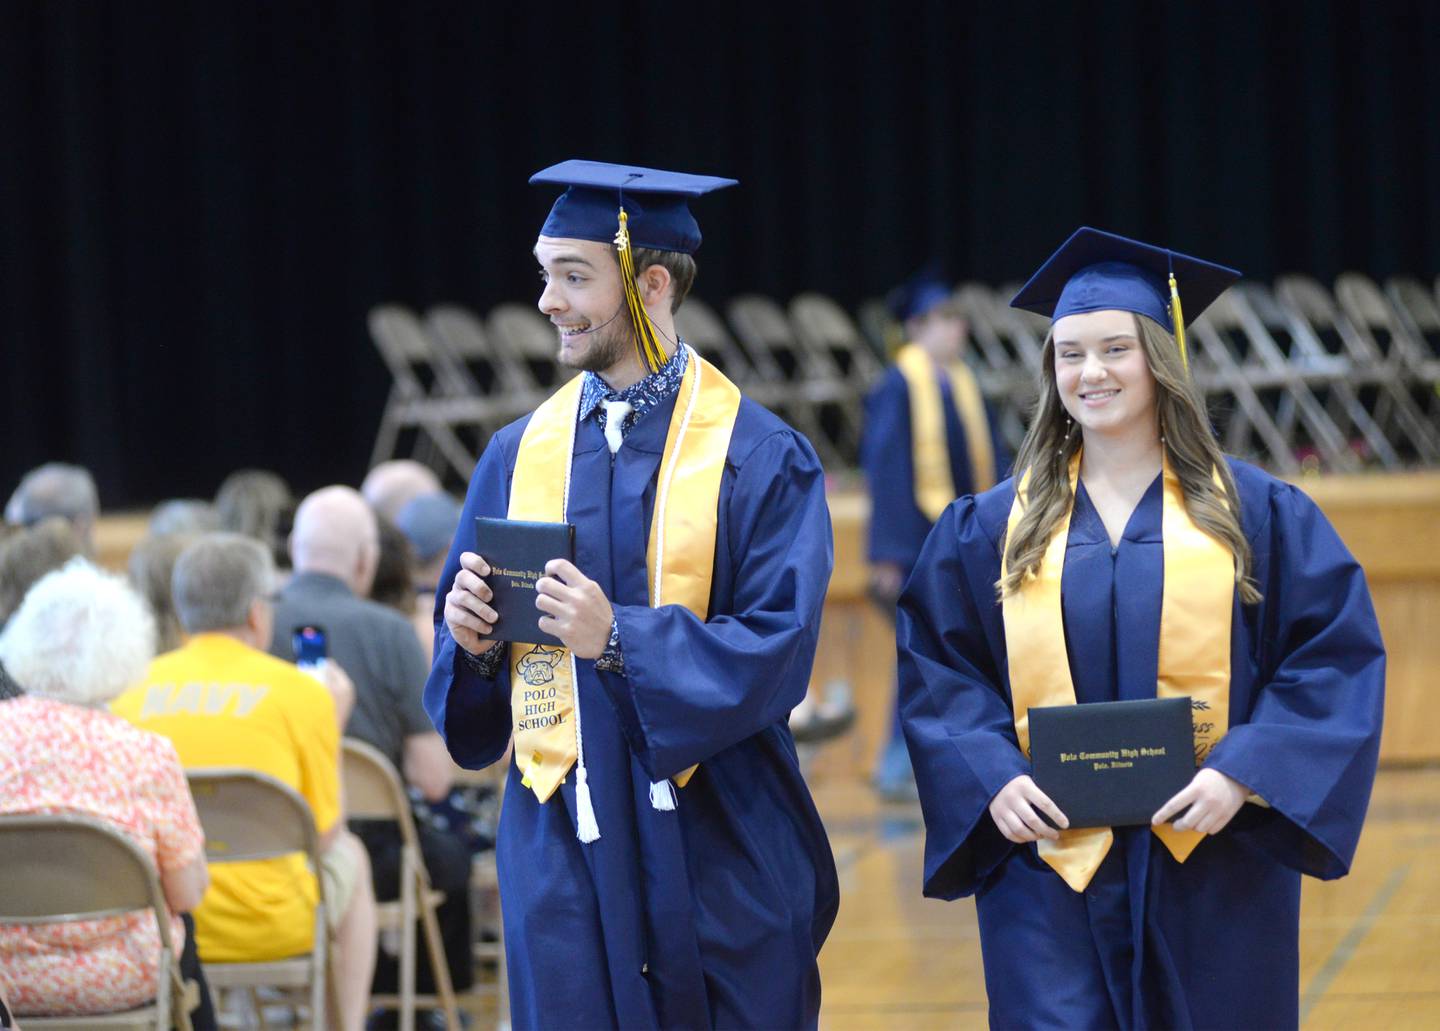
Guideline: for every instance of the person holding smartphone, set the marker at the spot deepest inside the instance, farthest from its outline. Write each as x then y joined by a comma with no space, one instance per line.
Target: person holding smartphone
1129,558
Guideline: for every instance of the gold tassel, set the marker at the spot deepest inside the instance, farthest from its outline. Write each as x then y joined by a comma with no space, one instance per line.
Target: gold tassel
651,353
1177,318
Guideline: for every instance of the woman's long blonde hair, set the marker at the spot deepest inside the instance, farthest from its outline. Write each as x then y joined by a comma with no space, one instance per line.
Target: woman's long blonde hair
1188,441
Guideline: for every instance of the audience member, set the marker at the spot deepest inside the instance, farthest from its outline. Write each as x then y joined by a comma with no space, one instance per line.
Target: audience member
77,640
28,554
429,522
57,489
391,484
224,702
394,569
334,548
152,565
183,515
258,504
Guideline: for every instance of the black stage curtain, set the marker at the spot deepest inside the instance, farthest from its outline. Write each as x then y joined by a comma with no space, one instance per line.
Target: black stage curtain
199,202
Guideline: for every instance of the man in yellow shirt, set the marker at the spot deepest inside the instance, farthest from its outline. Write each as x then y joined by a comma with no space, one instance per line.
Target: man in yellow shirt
224,702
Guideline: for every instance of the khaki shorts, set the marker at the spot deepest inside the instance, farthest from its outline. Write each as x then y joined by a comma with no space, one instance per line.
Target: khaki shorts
341,867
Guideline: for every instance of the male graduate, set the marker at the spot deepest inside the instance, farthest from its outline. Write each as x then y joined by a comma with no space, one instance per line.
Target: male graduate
661,860
928,440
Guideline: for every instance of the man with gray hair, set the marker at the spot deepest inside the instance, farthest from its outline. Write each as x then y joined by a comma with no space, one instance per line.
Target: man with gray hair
334,548
57,489
224,702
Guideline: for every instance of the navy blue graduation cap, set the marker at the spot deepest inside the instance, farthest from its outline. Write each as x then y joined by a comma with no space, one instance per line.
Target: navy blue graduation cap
1096,270
918,295
630,207
655,203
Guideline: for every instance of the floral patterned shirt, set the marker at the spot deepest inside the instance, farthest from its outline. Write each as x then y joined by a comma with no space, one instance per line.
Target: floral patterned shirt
59,758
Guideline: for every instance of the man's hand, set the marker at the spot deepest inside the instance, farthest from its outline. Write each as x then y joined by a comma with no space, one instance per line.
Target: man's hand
467,606
1213,798
1013,810
576,609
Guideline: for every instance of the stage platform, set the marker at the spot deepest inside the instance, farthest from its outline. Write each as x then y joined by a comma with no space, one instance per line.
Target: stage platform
1390,522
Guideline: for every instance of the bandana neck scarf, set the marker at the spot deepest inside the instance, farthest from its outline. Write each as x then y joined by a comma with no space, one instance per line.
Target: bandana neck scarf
1194,657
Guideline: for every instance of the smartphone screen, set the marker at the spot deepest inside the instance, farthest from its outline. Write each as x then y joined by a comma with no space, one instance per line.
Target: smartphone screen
309,644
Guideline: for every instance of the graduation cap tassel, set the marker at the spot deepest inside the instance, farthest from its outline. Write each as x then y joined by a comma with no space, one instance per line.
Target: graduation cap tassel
1177,319
651,352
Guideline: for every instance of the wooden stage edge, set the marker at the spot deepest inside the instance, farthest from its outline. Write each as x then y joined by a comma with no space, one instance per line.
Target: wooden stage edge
1390,521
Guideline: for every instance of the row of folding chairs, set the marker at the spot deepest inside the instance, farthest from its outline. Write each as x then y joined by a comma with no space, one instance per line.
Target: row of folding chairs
61,868
1297,376
457,377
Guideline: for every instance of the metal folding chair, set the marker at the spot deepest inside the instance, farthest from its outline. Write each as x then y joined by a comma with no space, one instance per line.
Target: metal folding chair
528,336
1419,310
1388,397
62,868
802,392
373,791
247,816
701,328
418,393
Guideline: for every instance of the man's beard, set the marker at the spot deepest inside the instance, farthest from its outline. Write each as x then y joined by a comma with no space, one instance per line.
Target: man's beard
609,346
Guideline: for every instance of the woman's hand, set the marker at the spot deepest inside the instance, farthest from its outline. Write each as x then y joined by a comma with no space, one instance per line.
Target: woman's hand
1213,798
1014,811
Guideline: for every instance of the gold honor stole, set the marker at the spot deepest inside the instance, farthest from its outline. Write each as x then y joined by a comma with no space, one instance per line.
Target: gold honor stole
934,482
680,557
1194,658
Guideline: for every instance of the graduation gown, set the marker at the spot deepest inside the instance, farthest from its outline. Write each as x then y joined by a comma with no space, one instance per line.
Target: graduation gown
1212,942
897,526
711,915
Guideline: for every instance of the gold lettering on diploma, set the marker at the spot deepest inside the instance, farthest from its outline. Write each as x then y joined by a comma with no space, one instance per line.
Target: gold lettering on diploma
518,577
1114,759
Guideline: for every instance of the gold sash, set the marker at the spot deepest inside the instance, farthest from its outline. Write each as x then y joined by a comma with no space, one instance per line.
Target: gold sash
1194,657
680,557
930,447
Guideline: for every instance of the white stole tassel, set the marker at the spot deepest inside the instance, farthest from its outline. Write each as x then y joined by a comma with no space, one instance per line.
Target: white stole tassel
586,829
662,795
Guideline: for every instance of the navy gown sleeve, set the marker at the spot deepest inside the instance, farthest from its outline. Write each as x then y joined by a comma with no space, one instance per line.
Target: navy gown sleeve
471,712
1312,738
896,523
953,703
692,689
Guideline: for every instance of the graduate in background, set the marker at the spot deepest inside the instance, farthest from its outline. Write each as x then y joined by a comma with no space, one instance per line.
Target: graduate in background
638,890
1138,561
929,439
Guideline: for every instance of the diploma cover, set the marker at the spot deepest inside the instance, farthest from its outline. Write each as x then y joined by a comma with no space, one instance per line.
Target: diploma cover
517,551
1112,764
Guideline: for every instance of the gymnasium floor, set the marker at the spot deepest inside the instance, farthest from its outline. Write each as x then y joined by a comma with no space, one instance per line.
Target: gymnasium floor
1369,943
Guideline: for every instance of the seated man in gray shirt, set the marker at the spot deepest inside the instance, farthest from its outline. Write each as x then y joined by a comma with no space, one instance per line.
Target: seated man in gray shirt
334,547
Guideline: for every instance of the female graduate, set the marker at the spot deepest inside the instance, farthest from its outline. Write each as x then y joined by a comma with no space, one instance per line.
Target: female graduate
1130,559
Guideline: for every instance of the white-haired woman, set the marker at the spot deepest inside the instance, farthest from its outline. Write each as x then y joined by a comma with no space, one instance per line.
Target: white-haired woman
79,638
1130,560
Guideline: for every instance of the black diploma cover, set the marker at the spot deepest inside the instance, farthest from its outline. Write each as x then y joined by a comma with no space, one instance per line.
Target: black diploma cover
1112,764
516,552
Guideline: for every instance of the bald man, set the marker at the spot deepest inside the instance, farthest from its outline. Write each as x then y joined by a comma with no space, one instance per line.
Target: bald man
391,485
334,547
